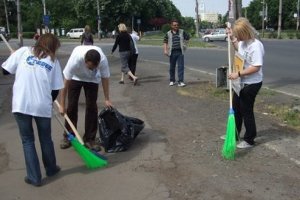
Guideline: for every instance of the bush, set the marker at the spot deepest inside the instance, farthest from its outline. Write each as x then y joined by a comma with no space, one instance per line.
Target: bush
165,28
298,34
290,34
25,35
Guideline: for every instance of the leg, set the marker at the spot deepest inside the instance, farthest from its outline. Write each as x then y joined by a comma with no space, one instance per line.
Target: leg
172,67
91,111
133,63
247,104
73,98
72,110
237,113
31,159
47,147
180,62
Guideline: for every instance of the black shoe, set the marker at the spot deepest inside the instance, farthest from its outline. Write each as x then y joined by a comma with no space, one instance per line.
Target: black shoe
28,181
54,172
65,143
121,82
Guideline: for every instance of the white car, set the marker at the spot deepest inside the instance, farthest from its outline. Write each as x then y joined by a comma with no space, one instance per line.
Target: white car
219,34
75,33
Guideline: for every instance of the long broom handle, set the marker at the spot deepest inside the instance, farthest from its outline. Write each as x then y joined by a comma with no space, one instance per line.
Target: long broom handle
71,125
7,44
61,122
229,67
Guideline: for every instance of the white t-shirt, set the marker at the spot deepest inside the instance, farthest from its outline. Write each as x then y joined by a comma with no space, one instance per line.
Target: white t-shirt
135,38
34,81
253,53
76,68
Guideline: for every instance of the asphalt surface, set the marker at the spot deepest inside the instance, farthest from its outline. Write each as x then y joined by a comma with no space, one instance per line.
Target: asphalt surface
177,155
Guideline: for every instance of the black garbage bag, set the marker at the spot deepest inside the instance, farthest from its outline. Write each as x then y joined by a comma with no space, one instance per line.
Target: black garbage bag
117,131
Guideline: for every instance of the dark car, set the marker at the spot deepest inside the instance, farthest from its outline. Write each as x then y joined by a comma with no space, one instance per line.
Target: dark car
3,32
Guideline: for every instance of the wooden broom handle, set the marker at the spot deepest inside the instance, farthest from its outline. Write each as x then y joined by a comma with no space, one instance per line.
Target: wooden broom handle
71,124
7,44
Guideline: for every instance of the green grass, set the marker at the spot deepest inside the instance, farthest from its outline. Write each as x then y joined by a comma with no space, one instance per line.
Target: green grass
267,101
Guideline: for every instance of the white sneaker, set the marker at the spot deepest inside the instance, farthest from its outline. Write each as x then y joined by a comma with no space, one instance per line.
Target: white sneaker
222,137
244,145
181,84
171,83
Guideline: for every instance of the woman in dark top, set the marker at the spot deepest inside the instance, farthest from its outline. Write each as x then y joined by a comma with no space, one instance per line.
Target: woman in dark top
87,37
123,41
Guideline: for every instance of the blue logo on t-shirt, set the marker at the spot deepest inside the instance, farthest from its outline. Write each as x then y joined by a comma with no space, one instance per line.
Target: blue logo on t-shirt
31,60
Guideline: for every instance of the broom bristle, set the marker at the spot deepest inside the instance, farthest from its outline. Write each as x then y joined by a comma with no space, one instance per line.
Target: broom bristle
229,146
91,160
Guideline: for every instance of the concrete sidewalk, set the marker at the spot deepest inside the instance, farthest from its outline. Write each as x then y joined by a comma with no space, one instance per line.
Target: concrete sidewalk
177,155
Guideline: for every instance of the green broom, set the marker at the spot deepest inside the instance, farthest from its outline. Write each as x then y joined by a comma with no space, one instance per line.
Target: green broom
90,159
229,145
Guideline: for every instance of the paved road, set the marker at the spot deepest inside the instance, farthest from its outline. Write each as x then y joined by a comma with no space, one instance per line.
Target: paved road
177,156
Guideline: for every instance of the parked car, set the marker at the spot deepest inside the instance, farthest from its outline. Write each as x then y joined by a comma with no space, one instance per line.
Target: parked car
75,33
4,33
219,34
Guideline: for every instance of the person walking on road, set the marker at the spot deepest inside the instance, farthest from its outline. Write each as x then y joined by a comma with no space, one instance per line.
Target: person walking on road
123,40
175,44
133,58
86,67
252,51
87,37
38,79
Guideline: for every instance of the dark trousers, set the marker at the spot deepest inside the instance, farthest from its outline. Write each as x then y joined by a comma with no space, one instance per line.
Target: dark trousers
132,63
243,110
91,109
177,57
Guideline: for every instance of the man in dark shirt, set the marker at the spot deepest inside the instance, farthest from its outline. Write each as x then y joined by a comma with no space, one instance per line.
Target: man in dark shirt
175,42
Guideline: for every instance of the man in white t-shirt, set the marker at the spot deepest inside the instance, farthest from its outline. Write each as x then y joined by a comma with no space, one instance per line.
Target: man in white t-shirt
86,67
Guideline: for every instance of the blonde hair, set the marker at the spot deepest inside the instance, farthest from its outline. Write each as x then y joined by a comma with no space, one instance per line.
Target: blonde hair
122,27
243,29
87,28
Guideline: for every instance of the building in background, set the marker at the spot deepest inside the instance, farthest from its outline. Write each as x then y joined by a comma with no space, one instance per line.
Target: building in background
207,16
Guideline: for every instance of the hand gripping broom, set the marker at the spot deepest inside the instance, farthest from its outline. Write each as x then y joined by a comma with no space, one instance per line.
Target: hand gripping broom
90,159
77,135
229,145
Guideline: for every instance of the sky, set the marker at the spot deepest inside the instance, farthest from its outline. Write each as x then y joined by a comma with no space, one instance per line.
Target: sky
187,7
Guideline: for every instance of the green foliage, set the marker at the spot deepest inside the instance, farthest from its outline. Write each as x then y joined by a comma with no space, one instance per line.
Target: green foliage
288,9
165,28
298,35
290,34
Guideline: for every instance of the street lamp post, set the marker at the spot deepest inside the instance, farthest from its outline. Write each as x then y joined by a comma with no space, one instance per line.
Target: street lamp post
297,28
263,18
98,20
6,15
45,13
197,19
20,31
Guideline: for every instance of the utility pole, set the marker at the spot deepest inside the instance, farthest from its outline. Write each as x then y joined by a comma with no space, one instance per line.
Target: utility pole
98,20
197,19
6,15
19,18
297,27
45,13
263,18
279,19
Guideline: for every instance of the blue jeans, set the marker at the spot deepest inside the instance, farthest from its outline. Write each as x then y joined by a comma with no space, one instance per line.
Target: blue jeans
176,57
27,136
